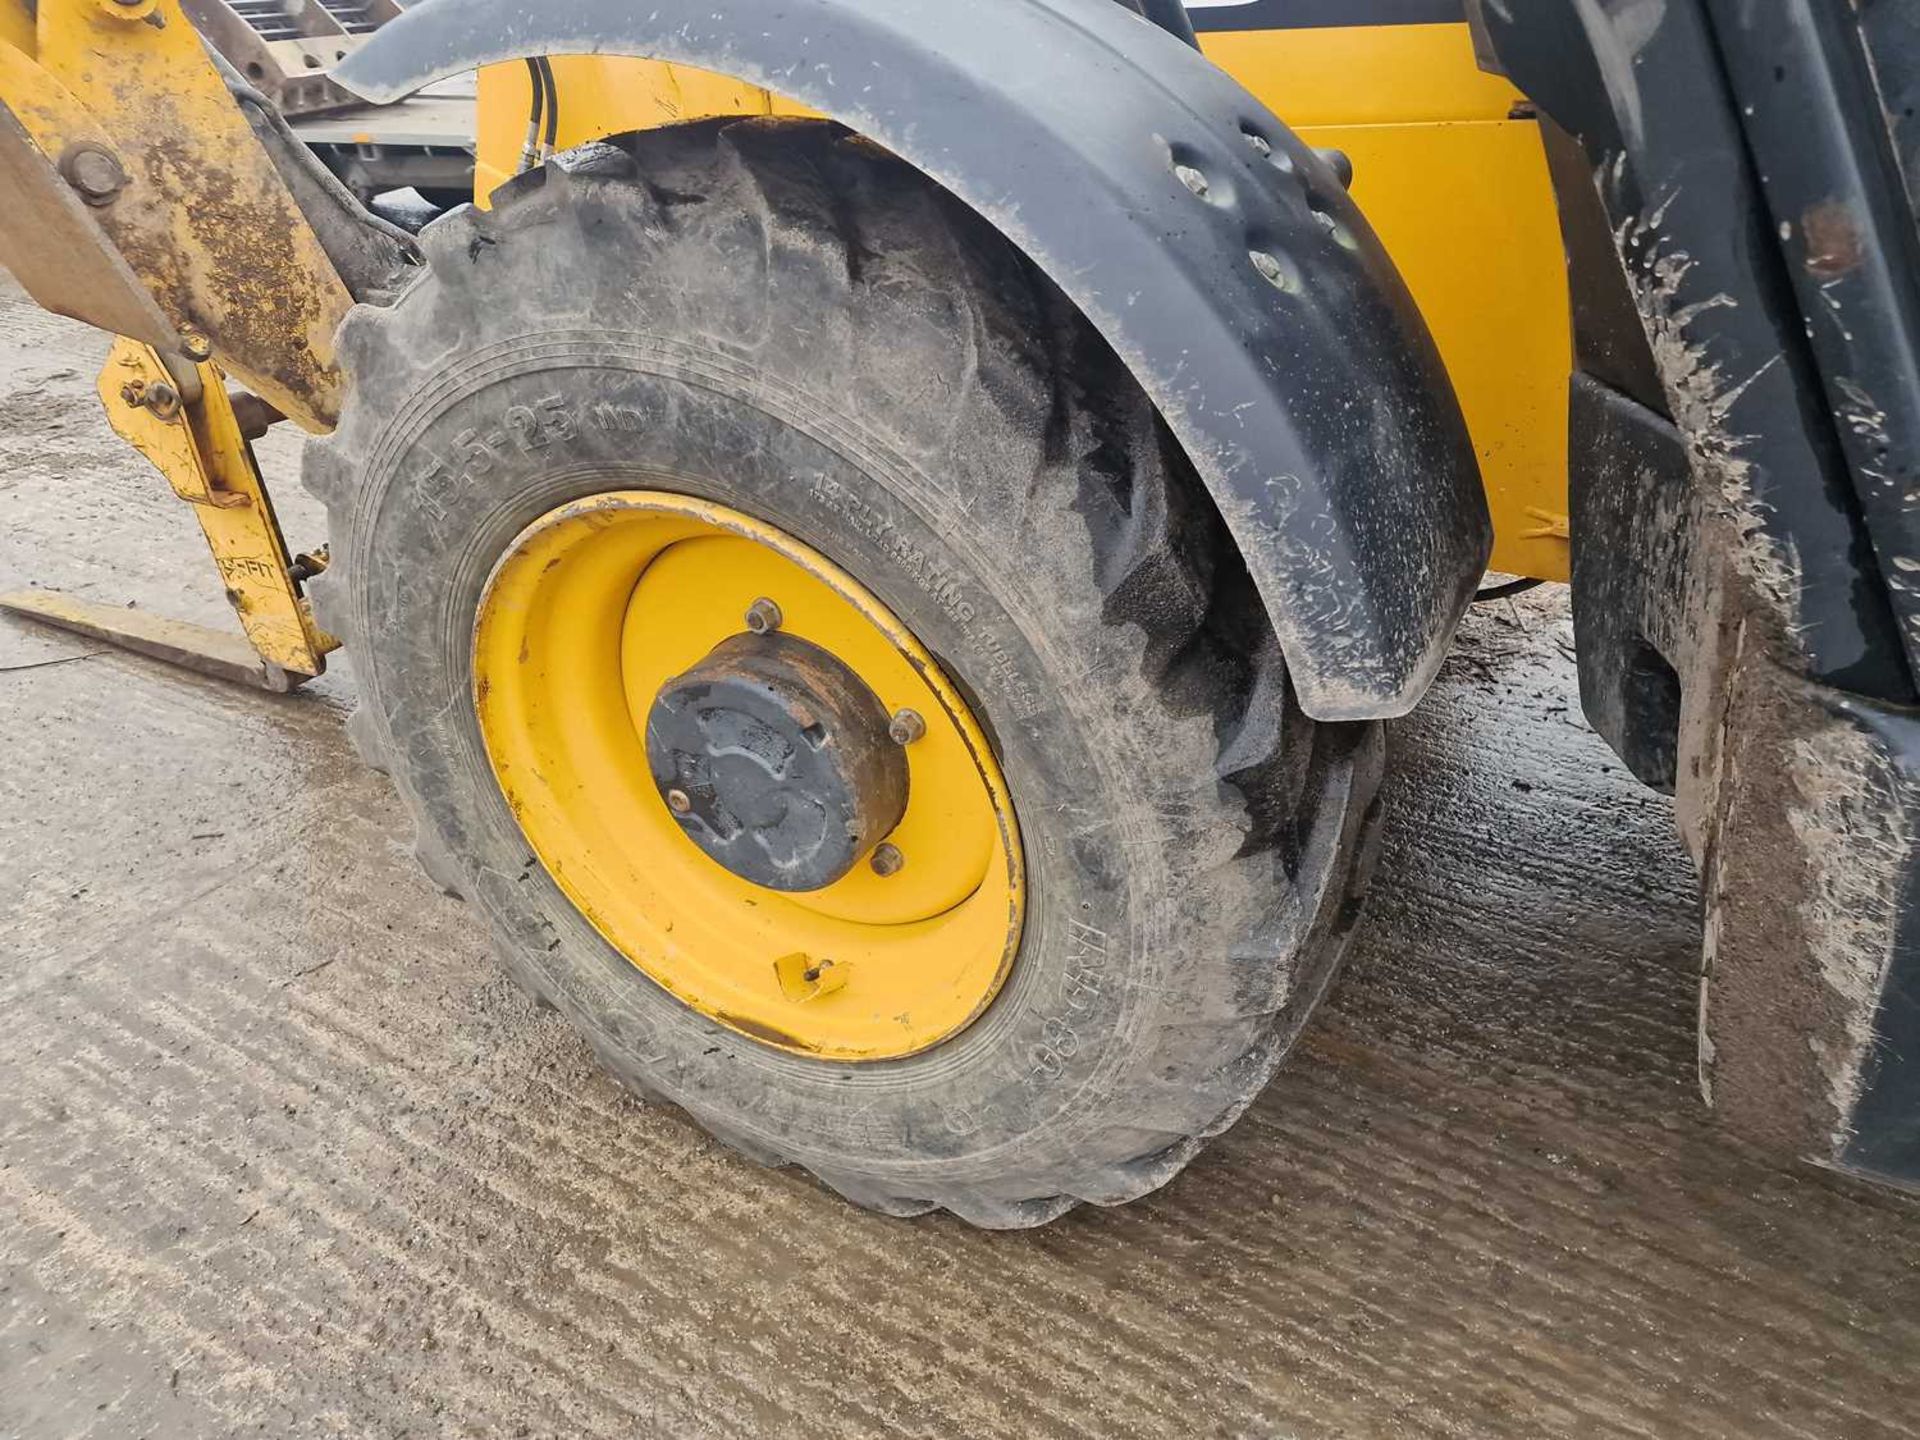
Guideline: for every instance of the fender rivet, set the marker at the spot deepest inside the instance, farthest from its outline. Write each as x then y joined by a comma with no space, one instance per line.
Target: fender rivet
1263,147
1272,270
679,802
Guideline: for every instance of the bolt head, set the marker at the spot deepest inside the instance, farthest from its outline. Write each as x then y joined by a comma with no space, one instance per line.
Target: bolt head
162,399
887,859
1264,148
764,617
94,172
679,802
1273,270
197,346
906,727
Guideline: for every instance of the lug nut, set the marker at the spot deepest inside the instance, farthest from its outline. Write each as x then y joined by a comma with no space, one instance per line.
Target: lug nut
763,616
679,802
887,859
906,727
1193,179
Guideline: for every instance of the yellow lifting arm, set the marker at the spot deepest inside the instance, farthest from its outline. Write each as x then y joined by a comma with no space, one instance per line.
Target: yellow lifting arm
127,146
140,200
183,421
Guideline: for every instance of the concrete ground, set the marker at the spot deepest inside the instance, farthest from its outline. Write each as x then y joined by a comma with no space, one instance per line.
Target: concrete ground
281,1153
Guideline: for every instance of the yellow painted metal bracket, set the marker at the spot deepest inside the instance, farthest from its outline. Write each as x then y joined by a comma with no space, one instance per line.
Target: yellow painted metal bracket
185,424
139,199
116,105
197,444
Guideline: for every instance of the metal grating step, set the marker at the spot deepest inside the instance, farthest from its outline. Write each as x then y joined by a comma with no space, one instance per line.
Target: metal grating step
352,17
265,18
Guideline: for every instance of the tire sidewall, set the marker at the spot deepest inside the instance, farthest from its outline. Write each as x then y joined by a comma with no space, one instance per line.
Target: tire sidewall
1001,590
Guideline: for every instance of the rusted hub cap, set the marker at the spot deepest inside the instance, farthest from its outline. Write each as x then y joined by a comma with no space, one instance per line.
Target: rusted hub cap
776,761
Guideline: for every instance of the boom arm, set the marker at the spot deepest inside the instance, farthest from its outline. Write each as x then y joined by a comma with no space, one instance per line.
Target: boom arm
139,199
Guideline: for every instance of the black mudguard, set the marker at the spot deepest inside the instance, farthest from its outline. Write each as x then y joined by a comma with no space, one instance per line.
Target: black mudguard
1219,256
1745,497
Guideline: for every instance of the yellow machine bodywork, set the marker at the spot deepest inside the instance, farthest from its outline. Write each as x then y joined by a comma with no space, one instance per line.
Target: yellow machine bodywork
119,96
1448,166
164,250
210,251
144,202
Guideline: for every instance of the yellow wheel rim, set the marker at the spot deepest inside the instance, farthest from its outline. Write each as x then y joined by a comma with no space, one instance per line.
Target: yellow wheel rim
592,609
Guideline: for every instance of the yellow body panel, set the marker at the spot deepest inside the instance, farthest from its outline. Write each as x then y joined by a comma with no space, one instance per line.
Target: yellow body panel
1460,196
603,95
1457,190
1482,256
1363,74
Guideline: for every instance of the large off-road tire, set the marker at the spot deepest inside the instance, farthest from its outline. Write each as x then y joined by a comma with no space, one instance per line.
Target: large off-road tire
817,336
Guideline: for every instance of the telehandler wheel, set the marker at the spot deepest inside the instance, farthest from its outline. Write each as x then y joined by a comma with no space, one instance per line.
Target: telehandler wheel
674,483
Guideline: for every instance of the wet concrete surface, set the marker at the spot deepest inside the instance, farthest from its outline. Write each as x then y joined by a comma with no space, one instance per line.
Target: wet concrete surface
281,1153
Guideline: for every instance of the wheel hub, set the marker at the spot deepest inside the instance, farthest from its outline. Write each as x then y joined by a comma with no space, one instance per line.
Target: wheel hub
801,832
775,760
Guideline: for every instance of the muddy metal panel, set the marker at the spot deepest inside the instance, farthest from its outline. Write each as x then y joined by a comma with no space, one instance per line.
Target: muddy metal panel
1884,1136
1800,78
1740,592
1644,94
1219,256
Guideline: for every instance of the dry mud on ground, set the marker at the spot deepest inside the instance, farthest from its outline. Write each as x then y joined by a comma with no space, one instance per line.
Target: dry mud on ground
282,1153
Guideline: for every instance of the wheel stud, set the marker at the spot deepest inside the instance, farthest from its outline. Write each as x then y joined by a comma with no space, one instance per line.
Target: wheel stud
906,727
763,616
887,859
679,802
